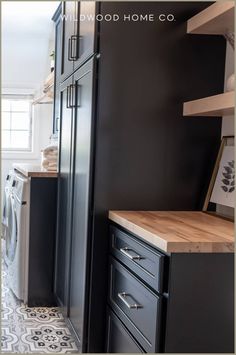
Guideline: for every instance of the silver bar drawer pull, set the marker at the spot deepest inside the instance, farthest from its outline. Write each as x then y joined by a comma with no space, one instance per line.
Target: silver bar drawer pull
123,296
126,250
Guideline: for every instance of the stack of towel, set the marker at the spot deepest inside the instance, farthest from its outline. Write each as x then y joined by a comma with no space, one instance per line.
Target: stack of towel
49,158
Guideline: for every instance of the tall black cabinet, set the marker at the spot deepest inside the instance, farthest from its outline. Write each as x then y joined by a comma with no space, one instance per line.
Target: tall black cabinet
124,143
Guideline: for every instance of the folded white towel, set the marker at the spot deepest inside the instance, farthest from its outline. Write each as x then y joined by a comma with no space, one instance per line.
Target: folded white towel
50,154
51,165
50,148
51,159
45,163
51,169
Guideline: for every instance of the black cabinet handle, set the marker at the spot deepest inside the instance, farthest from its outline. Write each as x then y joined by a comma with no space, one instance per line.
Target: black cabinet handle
68,93
69,50
57,120
70,96
78,95
73,48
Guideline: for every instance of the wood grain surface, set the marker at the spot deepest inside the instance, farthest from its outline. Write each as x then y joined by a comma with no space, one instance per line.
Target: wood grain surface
212,106
30,170
179,232
215,19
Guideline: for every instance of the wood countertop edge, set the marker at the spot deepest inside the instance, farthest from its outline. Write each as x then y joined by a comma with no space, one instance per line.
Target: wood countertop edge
204,247
139,231
170,246
42,174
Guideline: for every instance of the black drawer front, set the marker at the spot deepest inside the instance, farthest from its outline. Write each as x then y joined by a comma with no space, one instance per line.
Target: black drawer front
119,340
147,263
136,305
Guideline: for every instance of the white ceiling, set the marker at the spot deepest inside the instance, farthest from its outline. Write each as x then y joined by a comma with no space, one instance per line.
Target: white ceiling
27,35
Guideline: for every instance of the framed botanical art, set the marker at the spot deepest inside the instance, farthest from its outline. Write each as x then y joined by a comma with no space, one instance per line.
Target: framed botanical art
222,185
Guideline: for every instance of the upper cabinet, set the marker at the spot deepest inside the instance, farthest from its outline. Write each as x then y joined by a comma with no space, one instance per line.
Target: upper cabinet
69,38
85,30
78,34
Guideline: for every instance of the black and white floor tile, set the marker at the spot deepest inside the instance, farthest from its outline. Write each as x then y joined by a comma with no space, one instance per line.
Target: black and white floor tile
32,330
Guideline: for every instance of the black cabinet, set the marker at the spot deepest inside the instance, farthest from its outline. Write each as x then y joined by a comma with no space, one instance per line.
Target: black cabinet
201,299
136,305
140,258
57,69
69,40
81,217
197,305
42,234
74,197
119,340
64,199
78,40
85,31
123,142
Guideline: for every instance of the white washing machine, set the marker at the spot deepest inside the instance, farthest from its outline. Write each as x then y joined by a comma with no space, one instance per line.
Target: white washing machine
6,201
17,237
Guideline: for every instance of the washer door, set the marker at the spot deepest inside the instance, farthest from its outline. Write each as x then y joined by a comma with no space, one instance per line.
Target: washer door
11,230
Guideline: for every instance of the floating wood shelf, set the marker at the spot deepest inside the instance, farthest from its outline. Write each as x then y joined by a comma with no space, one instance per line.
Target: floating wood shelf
46,98
216,19
49,82
48,92
217,105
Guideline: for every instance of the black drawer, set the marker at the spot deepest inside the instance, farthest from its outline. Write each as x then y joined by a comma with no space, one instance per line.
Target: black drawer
146,262
137,306
119,340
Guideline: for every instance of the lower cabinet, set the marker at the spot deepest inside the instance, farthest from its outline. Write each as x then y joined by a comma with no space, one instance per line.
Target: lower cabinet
169,303
43,201
138,307
119,339
135,295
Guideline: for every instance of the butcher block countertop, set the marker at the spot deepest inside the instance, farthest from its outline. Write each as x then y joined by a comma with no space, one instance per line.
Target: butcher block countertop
179,232
30,170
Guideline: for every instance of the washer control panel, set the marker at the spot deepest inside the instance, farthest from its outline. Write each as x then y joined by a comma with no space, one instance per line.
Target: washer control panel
20,187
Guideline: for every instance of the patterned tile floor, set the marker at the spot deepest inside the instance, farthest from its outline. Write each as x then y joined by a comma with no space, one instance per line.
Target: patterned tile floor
32,330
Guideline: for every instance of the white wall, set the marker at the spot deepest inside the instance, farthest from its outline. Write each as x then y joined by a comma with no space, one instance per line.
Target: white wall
42,129
27,42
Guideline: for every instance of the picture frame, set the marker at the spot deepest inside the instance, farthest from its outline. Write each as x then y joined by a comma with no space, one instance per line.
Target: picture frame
221,189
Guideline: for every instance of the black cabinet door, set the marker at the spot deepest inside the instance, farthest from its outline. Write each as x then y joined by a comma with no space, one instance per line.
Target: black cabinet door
119,340
64,199
78,22
81,198
57,70
85,31
68,38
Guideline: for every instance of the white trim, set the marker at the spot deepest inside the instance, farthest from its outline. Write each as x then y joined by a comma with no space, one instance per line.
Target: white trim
13,151
17,91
